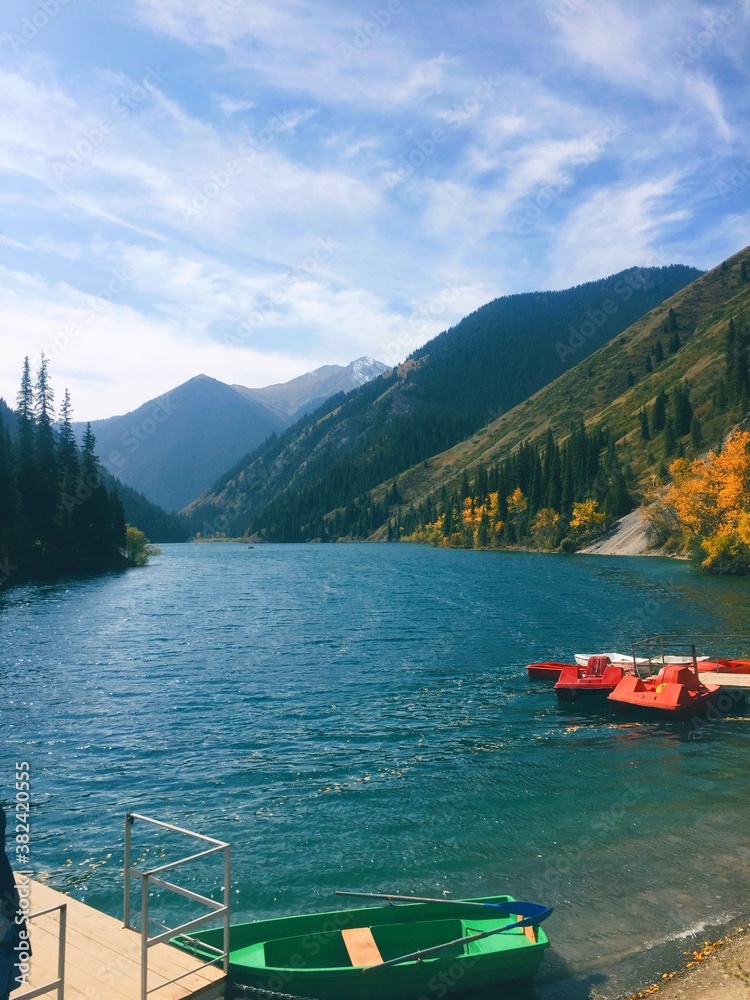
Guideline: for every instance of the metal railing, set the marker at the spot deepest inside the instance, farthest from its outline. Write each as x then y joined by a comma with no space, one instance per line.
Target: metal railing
654,651
59,983
151,878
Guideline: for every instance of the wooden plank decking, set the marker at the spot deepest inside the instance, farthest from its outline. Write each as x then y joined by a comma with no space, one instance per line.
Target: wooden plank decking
726,680
103,959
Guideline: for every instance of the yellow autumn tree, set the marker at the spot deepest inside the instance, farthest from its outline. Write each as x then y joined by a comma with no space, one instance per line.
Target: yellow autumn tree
544,528
709,499
586,520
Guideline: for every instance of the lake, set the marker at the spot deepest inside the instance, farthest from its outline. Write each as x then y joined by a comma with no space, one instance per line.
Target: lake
359,717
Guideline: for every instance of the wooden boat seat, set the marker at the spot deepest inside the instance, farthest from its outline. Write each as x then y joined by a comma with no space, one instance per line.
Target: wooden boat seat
530,932
361,946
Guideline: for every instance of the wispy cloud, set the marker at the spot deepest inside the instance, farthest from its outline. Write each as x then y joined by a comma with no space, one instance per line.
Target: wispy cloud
447,155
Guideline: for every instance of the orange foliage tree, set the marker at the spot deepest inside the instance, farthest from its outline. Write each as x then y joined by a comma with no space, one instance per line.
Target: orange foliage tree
587,519
709,499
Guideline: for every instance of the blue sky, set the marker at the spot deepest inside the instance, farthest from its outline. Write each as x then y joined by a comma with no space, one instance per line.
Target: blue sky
253,188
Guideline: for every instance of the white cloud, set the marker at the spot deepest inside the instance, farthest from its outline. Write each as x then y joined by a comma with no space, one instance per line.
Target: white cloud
615,228
706,94
82,335
231,106
214,193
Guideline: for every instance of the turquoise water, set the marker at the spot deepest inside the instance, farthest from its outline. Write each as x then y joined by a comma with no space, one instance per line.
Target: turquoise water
359,717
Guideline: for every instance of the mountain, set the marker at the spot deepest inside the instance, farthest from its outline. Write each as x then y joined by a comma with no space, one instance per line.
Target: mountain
442,394
157,524
153,521
305,393
689,331
171,448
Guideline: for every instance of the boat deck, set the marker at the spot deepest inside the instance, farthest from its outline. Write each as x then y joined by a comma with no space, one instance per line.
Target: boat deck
103,959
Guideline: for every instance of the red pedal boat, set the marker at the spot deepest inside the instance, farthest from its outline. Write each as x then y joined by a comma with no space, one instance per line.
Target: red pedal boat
676,691
728,667
546,671
599,676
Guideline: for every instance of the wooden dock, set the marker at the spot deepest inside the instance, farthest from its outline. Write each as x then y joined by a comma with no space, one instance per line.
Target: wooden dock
103,959
725,680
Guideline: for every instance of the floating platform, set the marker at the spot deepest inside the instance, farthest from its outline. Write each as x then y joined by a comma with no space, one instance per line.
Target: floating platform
103,958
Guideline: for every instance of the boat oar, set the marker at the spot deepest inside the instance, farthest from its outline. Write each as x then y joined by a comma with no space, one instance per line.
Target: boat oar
542,912
389,897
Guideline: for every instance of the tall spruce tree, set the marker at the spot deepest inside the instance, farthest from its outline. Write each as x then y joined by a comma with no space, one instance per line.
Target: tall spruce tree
659,412
682,410
92,512
45,459
26,479
645,430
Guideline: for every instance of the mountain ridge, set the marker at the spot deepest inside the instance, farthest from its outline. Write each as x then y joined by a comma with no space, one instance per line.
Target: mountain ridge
440,395
702,310
173,447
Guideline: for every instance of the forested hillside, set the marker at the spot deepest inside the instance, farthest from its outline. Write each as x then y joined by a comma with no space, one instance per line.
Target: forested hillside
446,391
675,383
155,522
56,515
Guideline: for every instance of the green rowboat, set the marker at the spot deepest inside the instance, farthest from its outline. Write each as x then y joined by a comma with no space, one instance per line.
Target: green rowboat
339,955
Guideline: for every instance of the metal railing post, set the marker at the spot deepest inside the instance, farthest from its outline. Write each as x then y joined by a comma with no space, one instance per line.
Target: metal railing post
59,983
61,952
126,873
154,877
227,900
144,937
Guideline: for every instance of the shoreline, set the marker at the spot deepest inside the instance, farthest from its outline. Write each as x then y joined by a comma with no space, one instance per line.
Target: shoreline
717,970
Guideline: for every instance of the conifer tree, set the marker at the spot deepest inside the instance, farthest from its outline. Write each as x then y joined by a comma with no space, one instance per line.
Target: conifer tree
45,459
25,468
658,352
682,410
696,434
670,437
645,430
659,412
92,514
